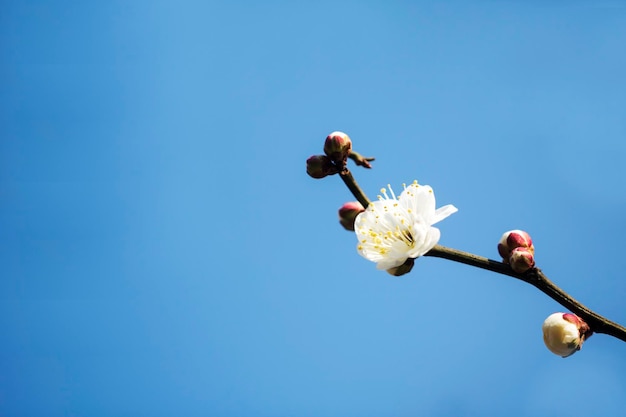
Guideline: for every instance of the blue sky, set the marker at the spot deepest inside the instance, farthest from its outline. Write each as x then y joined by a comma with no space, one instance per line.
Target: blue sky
162,250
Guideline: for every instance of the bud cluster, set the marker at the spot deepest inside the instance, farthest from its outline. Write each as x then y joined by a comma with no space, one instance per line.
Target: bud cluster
337,148
517,250
564,333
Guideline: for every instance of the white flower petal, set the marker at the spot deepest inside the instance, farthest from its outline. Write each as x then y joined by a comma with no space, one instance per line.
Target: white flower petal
431,238
443,212
390,263
419,200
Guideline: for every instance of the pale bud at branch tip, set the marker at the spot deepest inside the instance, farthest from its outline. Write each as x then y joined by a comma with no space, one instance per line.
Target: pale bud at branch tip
564,333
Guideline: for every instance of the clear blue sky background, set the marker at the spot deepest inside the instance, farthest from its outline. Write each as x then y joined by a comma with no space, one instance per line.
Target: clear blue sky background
162,251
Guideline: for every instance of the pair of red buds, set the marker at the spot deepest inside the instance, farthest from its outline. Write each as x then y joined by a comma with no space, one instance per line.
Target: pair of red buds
517,250
337,148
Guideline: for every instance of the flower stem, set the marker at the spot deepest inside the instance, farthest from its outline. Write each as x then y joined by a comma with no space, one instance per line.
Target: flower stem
356,191
534,277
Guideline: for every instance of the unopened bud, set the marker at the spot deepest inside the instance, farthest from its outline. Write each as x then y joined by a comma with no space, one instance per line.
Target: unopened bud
521,260
514,239
405,268
337,147
348,213
319,166
564,333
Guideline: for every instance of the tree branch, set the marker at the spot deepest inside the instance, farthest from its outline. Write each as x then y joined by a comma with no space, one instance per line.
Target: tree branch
354,188
534,277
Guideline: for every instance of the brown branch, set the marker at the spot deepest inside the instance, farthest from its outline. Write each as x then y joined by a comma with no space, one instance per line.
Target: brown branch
354,188
534,277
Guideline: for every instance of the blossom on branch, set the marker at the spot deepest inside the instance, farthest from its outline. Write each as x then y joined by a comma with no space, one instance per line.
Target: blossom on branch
392,230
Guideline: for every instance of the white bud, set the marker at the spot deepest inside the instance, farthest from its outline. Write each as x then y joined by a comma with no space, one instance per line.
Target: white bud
564,333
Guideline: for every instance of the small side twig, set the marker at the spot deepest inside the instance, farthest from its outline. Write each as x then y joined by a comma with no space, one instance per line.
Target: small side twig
361,160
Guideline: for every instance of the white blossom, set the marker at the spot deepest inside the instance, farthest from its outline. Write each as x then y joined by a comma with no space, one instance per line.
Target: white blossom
391,230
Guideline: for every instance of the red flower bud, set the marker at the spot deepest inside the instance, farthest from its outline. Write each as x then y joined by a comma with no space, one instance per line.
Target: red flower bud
521,260
514,239
319,166
348,213
337,147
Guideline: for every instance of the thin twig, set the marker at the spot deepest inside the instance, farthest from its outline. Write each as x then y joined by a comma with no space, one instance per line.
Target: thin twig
361,160
348,179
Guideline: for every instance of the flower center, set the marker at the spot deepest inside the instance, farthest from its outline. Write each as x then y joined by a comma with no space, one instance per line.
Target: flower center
407,237
403,235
